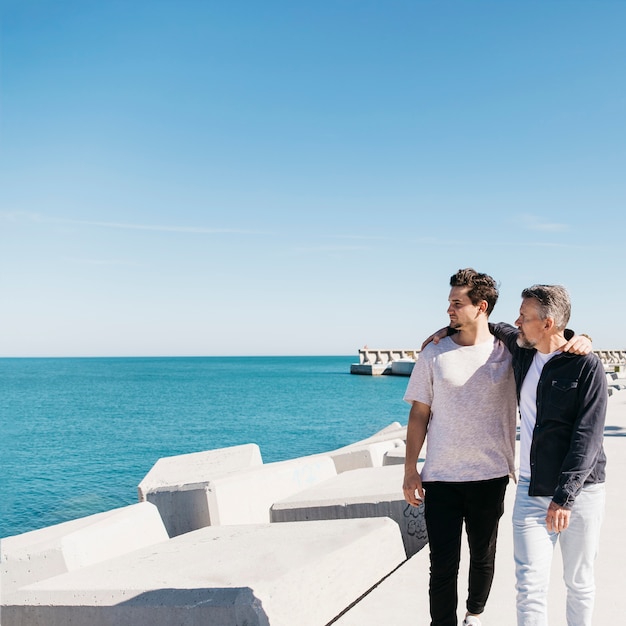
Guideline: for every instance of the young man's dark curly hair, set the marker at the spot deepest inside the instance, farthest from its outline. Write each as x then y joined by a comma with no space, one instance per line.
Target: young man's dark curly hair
481,286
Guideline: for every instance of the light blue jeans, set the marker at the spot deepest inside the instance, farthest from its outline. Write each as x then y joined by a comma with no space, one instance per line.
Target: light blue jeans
534,547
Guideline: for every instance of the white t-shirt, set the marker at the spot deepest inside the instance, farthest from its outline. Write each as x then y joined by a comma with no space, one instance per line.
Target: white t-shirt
528,410
472,399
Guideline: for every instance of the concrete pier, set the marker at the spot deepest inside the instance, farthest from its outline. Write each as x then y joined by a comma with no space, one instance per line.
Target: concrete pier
400,362
375,361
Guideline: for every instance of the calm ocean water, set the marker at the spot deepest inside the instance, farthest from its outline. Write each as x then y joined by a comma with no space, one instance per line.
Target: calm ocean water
78,435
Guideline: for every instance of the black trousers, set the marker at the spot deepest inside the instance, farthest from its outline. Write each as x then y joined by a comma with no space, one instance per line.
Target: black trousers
447,505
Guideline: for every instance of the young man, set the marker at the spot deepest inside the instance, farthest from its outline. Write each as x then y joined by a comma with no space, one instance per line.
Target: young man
462,392
560,494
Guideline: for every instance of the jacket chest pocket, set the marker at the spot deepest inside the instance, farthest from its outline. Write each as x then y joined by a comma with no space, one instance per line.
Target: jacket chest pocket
562,394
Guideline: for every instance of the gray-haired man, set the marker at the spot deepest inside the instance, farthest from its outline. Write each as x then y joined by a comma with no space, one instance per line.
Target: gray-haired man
560,494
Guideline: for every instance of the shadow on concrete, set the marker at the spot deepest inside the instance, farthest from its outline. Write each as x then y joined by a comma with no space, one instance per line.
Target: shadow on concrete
614,431
157,607
213,605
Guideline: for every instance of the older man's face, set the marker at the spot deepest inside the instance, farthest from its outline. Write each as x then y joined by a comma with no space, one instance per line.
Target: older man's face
530,325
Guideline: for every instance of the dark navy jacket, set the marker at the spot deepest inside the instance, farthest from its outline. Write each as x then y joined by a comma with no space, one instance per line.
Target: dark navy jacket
566,451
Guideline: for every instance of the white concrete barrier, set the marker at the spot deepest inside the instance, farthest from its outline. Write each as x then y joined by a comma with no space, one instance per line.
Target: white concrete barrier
402,367
392,428
300,574
245,497
178,485
366,455
363,493
394,431
47,552
369,452
395,456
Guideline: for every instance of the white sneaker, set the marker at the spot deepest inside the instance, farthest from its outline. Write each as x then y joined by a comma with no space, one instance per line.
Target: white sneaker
471,620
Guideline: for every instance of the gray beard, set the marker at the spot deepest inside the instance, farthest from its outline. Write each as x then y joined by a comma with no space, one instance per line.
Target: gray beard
522,342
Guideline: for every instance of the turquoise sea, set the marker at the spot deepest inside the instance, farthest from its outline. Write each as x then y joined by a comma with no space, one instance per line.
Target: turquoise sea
79,434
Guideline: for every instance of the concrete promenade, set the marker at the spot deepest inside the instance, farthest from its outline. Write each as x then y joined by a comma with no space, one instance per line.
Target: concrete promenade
219,538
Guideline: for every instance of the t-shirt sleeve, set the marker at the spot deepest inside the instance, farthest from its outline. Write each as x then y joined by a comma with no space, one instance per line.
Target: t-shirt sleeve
420,387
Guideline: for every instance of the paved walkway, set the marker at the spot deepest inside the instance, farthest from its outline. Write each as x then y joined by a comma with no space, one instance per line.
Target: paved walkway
403,597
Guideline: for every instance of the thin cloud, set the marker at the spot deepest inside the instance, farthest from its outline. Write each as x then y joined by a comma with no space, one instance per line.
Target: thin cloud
532,222
360,237
196,230
103,262
546,244
498,243
16,216
323,248
20,216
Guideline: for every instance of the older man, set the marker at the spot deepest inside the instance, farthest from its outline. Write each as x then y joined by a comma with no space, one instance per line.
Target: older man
560,494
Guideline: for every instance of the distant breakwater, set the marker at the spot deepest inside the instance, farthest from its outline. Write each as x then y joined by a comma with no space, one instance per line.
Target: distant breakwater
400,362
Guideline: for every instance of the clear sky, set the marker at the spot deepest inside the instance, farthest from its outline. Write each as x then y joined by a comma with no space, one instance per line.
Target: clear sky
199,177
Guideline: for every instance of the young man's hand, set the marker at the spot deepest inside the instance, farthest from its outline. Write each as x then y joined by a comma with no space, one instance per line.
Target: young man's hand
412,488
578,344
436,337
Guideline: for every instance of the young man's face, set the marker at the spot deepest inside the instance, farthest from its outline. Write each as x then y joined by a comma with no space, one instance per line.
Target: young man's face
530,325
460,308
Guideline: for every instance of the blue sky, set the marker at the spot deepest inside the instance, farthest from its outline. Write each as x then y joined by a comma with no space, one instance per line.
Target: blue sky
267,178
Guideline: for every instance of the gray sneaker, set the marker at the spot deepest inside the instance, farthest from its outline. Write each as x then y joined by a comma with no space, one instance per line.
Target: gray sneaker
471,620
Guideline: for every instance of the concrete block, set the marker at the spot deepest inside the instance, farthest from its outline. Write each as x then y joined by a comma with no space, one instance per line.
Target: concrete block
177,485
245,497
367,455
402,367
395,456
47,552
393,431
363,493
370,369
184,469
303,574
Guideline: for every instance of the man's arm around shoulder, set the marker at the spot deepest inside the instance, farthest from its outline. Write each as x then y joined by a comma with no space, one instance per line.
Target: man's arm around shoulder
506,333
